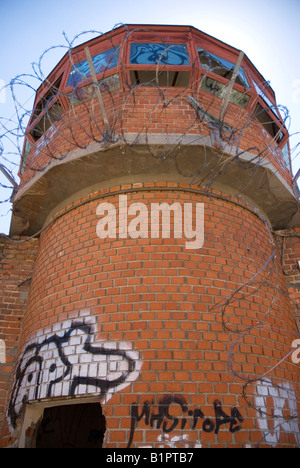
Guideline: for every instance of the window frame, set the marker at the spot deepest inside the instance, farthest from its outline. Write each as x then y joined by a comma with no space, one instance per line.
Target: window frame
230,57
131,67
273,115
41,93
220,76
81,56
265,104
270,110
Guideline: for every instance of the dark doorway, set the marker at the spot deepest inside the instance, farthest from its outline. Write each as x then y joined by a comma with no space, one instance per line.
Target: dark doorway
72,426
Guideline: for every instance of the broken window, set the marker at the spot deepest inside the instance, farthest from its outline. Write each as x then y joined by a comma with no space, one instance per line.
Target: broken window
268,123
47,120
45,102
222,67
101,62
85,93
267,101
47,111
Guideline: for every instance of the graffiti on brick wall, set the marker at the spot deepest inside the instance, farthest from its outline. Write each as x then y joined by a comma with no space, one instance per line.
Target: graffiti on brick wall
67,362
277,407
160,417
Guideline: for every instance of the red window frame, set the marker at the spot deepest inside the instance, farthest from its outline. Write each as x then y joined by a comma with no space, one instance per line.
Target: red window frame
162,38
41,93
95,49
227,55
272,114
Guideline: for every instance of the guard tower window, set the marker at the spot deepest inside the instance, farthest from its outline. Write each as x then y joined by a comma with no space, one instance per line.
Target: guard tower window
268,123
156,54
45,101
101,62
160,64
218,89
47,111
222,67
266,100
49,118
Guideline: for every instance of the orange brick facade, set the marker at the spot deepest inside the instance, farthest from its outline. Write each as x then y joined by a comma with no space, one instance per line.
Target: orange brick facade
199,343
178,347
16,267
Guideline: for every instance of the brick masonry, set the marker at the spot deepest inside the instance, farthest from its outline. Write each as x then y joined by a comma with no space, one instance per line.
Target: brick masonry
16,269
181,347
289,245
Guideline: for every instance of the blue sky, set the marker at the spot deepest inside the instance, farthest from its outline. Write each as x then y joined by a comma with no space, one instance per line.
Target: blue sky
267,31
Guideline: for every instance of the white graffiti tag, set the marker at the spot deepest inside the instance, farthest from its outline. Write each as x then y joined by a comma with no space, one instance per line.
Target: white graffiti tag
283,398
69,363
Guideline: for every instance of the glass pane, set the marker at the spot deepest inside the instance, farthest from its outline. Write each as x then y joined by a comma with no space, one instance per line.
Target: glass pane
84,93
49,118
222,67
268,123
154,54
102,62
218,89
267,100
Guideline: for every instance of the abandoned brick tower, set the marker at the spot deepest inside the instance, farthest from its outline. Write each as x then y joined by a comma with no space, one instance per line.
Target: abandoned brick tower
150,282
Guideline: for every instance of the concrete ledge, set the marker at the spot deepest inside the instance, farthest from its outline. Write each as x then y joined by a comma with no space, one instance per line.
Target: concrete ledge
156,158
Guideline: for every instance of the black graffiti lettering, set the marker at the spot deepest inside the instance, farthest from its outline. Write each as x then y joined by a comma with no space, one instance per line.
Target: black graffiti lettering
235,418
30,368
161,417
172,426
165,405
212,85
223,418
197,413
157,418
208,425
136,418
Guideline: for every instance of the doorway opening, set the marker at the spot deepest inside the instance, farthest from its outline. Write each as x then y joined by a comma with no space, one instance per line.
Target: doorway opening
72,426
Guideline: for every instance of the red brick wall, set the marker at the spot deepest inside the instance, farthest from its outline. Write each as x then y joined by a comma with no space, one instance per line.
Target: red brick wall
183,347
16,267
289,246
148,111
